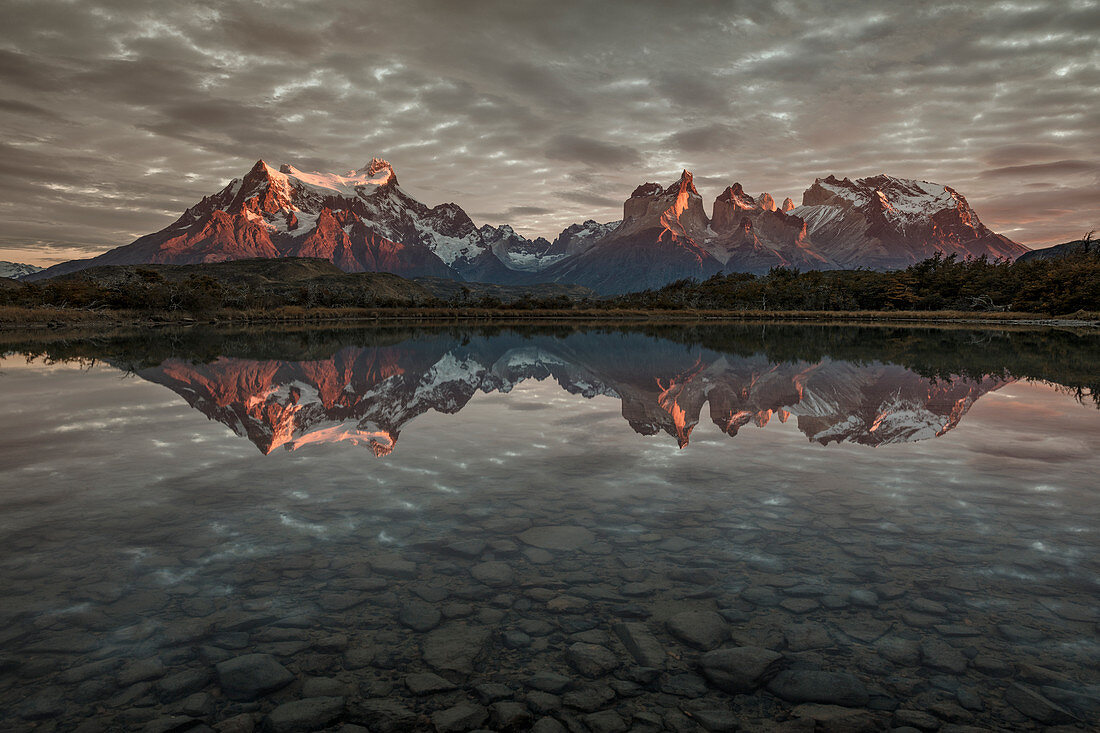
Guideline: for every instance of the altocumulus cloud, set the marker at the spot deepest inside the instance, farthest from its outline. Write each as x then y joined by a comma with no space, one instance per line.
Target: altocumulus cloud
118,114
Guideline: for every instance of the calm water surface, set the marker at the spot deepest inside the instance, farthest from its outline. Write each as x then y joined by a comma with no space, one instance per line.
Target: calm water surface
768,527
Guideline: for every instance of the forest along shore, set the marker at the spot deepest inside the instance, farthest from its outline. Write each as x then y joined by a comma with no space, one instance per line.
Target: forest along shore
1058,290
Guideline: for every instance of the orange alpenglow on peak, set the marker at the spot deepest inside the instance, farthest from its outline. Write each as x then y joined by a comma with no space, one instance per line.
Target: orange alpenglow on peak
726,212
687,182
378,165
670,219
674,212
362,221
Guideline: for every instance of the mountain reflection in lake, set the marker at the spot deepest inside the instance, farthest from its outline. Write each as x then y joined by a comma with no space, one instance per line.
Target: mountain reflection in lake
870,528
366,394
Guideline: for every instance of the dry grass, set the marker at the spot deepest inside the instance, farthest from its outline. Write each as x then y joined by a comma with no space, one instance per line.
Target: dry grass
18,316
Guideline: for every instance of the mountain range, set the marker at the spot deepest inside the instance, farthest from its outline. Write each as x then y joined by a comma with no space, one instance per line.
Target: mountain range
362,220
366,395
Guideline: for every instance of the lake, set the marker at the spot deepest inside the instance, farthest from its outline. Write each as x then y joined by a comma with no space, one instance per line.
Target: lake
764,526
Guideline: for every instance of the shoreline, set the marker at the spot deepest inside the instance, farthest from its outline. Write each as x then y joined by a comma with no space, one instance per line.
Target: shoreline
33,319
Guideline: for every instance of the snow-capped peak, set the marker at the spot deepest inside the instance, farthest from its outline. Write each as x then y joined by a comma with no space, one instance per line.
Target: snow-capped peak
376,173
378,168
890,222
903,197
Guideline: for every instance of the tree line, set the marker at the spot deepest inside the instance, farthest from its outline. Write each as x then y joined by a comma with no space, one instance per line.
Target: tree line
1057,286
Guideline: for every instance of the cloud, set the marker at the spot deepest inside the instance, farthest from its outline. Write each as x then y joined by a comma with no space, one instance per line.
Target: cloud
527,210
1004,155
713,138
1056,168
25,71
511,214
14,106
580,149
591,199
542,114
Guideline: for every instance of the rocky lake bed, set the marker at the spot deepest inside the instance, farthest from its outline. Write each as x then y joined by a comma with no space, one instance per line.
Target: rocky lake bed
536,564
612,623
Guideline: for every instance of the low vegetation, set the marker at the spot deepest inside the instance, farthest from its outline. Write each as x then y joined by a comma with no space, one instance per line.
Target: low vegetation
1056,286
298,289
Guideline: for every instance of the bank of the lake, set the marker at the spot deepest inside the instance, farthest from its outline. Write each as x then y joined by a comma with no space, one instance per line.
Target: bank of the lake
17,318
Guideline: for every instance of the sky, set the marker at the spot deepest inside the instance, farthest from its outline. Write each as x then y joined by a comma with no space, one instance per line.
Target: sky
116,115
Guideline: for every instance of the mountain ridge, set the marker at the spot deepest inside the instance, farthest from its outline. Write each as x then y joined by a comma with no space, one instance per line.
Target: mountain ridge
1065,249
362,221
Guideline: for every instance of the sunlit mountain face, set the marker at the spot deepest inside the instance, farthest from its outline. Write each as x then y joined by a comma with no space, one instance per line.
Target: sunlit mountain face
362,221
366,395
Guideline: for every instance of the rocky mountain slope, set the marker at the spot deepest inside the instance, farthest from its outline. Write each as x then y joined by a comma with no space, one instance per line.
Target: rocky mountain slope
751,234
515,250
877,223
363,221
576,239
884,222
653,245
360,221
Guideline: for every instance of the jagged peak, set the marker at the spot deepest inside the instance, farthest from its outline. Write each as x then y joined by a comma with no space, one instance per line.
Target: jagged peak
503,230
259,178
377,167
686,182
677,220
647,189
589,225
377,173
899,200
736,191
261,170
788,204
736,195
